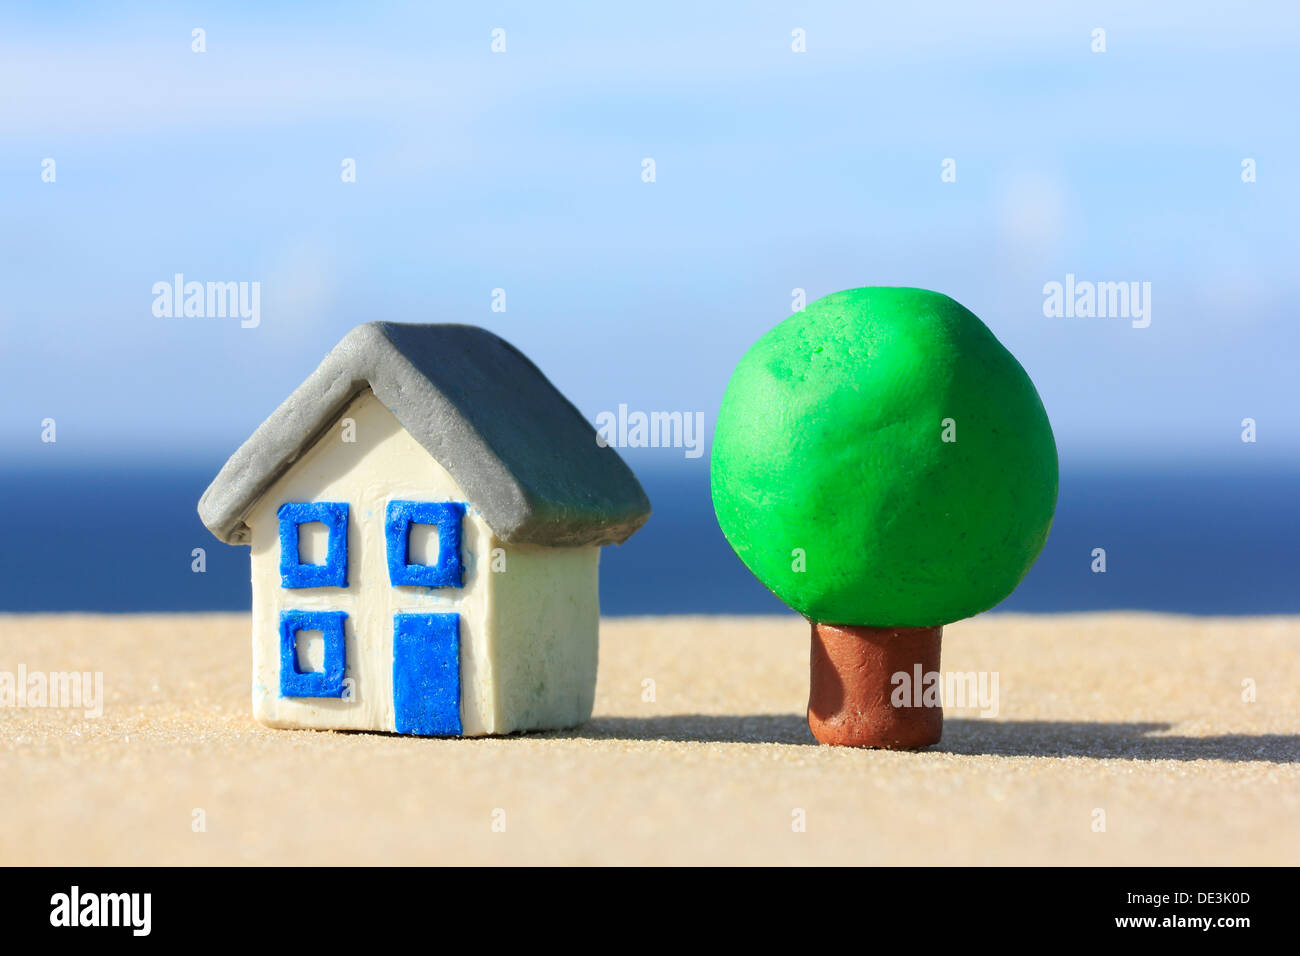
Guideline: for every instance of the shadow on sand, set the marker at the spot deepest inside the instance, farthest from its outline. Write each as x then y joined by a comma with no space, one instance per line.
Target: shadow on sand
1006,738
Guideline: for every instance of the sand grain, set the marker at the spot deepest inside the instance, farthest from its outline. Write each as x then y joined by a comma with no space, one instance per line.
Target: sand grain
1140,716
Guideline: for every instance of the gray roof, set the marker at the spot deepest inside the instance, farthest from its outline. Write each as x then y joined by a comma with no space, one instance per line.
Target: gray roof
522,453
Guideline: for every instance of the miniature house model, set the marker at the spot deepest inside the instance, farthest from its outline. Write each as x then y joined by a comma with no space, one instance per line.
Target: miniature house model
425,515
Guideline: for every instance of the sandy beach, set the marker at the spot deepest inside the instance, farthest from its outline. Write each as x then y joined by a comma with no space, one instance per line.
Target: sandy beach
698,753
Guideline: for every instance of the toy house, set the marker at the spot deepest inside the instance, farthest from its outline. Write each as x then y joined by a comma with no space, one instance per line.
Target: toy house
425,515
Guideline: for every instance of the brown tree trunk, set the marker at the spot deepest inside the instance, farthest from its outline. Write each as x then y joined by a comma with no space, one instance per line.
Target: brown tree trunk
852,688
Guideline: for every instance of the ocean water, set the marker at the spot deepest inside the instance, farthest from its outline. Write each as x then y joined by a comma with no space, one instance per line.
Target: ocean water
1225,542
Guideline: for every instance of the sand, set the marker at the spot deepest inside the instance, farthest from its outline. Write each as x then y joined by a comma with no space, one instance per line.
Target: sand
1140,717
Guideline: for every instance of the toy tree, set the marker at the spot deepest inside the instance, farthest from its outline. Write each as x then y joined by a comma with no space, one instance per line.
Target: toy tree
883,465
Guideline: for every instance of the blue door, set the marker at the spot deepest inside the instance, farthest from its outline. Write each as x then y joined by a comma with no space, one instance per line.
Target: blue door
426,674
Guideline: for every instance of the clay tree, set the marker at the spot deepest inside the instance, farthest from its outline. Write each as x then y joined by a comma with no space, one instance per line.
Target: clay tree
885,466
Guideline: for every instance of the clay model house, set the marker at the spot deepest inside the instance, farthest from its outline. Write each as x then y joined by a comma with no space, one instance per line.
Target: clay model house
425,514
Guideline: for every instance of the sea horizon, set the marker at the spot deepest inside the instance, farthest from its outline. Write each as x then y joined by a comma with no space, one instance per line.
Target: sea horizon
107,538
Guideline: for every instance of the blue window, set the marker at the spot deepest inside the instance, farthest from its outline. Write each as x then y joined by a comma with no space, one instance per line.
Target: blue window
446,572
326,682
334,572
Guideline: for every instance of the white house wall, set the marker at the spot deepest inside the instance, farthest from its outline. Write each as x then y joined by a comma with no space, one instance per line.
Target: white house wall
383,463
528,629
547,618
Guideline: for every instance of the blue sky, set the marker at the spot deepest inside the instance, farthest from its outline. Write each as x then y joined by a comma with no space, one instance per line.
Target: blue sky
522,171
